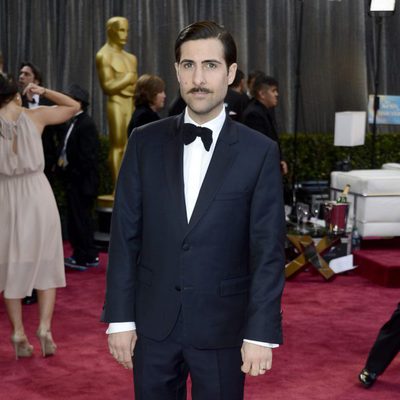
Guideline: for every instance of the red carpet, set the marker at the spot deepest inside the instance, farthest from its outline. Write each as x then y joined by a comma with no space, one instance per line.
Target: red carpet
328,327
379,261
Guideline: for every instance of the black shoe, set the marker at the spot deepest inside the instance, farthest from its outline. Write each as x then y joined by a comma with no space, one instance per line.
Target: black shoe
70,262
30,299
93,263
367,378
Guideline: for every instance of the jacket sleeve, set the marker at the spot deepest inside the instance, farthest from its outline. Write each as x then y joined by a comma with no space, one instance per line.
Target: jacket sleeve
125,240
267,257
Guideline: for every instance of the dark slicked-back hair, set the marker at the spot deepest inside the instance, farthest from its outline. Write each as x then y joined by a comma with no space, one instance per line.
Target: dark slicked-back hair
36,72
207,30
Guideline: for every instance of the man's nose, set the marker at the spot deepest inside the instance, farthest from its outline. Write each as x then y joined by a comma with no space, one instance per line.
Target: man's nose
198,76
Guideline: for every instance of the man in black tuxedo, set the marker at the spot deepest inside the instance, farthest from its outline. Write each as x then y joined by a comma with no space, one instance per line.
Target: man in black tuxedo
260,112
236,99
30,73
78,163
384,350
196,257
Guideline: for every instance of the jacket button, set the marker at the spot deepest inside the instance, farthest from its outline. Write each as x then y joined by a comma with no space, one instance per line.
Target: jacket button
185,247
178,288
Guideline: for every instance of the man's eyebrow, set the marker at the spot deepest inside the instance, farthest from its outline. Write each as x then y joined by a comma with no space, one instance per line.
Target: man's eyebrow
203,62
185,60
211,61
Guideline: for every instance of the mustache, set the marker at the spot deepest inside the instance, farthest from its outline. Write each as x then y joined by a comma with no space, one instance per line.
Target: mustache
199,90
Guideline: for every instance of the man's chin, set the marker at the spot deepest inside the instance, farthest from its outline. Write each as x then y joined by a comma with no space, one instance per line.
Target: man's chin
205,113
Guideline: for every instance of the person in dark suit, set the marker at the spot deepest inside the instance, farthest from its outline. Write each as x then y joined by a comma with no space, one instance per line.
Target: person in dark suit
260,112
239,83
384,350
78,165
236,99
149,99
30,73
196,256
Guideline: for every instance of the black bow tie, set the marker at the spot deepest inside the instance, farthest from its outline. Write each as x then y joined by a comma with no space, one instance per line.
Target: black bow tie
190,132
33,101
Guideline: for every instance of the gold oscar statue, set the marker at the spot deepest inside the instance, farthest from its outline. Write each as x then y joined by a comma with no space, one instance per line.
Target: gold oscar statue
117,72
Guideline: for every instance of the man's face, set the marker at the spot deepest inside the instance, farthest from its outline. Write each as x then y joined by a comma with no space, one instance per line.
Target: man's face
204,78
119,32
26,76
269,96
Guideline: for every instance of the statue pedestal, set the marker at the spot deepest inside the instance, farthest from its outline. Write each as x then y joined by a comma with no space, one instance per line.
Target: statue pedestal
104,209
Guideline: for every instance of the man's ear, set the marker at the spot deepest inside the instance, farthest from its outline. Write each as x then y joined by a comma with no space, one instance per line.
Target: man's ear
177,71
260,94
232,73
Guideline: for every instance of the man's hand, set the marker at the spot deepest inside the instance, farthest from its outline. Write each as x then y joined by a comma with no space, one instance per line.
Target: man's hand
121,347
32,89
256,359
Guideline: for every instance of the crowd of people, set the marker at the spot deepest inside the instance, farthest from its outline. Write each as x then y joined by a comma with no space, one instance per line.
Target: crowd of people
44,136
186,283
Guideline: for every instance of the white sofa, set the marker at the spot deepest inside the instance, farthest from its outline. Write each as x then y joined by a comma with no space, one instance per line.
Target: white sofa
374,197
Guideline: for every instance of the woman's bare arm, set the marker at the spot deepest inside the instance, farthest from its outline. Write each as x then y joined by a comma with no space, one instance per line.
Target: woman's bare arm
65,107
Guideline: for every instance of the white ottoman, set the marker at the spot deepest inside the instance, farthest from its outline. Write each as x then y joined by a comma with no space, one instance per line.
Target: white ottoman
395,166
375,197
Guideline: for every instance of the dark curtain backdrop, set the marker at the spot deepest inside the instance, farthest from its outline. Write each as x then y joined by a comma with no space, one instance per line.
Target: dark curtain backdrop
337,60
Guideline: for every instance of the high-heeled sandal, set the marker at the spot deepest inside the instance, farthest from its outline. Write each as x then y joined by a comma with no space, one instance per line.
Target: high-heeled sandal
46,343
21,346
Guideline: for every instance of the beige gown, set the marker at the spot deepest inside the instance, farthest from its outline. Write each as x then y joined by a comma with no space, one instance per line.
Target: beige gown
31,250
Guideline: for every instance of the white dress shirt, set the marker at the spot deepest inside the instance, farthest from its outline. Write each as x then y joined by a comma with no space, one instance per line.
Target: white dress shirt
35,101
196,160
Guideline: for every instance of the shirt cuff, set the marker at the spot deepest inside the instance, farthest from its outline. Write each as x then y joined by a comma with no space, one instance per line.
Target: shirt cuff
116,327
263,344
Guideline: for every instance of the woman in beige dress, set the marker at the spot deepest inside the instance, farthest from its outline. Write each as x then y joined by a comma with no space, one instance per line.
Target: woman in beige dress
31,252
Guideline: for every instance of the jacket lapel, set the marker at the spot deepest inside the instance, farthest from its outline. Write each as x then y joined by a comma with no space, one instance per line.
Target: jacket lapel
221,161
174,171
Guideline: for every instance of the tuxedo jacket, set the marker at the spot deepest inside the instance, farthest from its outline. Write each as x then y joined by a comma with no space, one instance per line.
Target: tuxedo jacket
262,119
224,270
235,104
82,153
